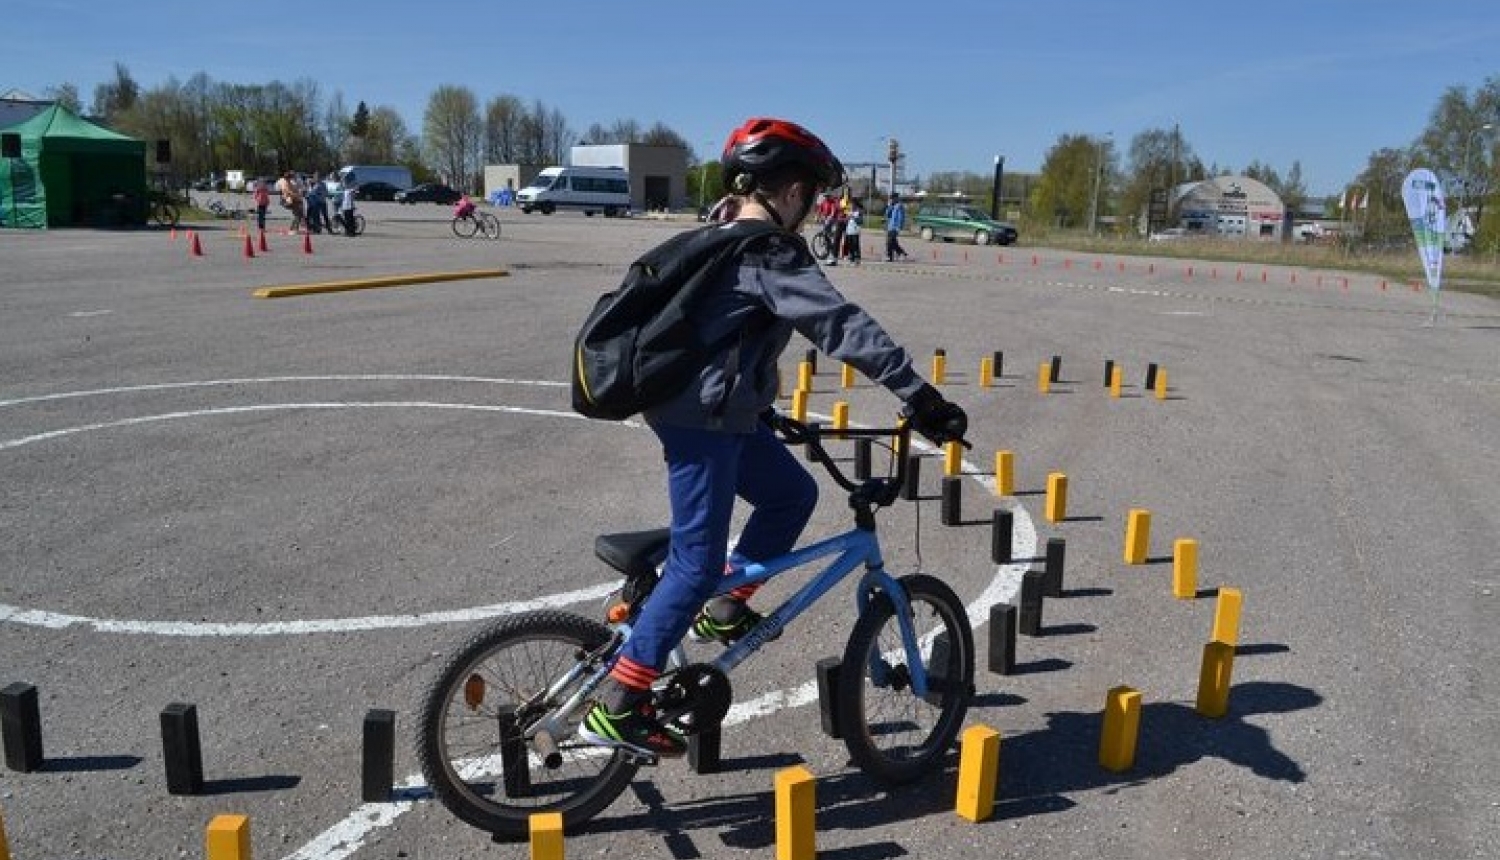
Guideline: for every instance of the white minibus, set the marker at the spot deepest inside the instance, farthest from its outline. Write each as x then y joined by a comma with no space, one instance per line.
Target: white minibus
592,189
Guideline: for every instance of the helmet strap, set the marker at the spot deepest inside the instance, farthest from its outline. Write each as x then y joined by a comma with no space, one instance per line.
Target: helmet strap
770,210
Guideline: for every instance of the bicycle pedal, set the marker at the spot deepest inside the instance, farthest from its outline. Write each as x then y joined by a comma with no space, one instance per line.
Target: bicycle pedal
640,759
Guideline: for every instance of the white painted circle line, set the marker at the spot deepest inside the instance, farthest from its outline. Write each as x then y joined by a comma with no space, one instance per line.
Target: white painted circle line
267,380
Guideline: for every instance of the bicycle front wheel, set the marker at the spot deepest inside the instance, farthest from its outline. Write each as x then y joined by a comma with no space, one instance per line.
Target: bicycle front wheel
893,734
470,731
820,246
490,225
464,227
359,224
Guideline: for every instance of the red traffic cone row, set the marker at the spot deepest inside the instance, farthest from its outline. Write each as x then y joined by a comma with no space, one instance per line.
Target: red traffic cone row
307,243
264,248
196,249
249,248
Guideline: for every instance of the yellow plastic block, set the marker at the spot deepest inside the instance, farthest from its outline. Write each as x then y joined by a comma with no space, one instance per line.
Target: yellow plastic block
1185,569
1227,616
1214,678
953,459
1137,535
228,838
799,404
804,376
1116,382
841,415
1122,725
1161,384
546,835
986,372
1044,377
795,798
939,369
1057,497
1005,473
978,773
4,846
846,376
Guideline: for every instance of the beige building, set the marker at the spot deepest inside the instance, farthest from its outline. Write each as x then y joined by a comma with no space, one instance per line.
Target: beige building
658,174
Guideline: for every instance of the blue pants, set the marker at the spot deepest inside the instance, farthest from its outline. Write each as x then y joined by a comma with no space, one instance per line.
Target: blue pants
706,470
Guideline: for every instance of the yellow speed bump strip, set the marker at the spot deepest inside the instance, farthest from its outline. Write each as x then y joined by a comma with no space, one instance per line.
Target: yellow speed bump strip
286,290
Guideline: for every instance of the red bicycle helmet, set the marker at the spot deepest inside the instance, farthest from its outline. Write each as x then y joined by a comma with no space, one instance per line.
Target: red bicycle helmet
763,144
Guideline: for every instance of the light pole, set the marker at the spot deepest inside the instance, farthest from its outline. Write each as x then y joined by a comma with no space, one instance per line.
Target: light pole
1098,176
1468,147
703,177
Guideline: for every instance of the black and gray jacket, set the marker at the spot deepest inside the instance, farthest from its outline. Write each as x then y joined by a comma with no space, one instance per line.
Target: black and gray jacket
777,289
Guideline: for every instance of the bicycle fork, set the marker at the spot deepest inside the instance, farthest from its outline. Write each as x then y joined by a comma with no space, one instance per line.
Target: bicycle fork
876,581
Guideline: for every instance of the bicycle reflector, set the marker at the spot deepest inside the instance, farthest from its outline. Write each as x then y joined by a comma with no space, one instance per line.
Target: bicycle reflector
474,691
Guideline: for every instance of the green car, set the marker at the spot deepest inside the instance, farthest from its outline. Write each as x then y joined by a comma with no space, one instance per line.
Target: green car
956,221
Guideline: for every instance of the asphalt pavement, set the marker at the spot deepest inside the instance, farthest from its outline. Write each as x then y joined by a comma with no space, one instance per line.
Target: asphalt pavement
284,512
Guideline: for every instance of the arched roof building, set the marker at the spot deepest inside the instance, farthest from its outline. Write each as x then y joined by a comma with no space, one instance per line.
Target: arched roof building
1232,207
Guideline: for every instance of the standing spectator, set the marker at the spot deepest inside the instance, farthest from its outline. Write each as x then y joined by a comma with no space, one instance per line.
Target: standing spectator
291,199
261,195
851,232
346,205
895,220
837,224
317,206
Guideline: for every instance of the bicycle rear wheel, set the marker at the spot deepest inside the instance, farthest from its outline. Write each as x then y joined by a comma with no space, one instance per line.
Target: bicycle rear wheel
892,734
490,225
474,713
359,224
165,214
465,227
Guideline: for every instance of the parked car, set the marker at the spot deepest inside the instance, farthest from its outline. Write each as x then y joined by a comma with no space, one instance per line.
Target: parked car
428,192
956,221
376,191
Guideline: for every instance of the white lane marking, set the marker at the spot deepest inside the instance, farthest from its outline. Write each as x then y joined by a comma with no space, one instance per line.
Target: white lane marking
58,621
264,380
82,314
271,407
54,620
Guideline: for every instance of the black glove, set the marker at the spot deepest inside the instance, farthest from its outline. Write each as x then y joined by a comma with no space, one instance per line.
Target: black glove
939,420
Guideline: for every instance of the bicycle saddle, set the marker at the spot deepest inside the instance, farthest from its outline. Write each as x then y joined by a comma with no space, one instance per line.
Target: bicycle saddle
633,553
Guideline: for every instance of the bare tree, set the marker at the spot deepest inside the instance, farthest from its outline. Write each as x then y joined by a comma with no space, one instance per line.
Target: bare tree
504,119
452,134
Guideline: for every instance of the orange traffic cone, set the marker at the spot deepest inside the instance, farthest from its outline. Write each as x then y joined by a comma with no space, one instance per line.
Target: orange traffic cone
264,248
307,243
196,249
174,233
249,248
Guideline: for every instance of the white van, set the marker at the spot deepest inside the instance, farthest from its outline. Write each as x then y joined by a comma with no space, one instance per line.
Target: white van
391,174
592,189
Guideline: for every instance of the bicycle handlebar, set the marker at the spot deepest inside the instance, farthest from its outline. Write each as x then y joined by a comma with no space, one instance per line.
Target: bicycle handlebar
879,492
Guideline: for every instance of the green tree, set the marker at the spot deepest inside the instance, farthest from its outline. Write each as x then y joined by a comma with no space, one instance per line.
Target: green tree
1159,159
1076,181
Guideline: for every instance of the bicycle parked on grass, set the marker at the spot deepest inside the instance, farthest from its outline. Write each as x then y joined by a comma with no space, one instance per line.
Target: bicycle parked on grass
496,733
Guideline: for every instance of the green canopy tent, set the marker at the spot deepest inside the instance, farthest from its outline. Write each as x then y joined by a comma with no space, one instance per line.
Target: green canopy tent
72,172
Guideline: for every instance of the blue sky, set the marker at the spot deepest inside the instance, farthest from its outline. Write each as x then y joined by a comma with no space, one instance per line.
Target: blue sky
958,82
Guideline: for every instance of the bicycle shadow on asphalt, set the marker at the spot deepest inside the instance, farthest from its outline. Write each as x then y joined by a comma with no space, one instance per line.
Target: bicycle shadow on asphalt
1040,771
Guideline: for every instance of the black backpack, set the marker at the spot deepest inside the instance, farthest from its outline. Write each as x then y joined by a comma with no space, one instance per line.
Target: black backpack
638,347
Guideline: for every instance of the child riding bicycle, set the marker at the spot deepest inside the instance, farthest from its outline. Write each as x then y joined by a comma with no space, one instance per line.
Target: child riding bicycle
717,447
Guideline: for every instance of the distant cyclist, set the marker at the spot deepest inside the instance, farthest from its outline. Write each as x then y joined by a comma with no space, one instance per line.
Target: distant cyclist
716,446
464,208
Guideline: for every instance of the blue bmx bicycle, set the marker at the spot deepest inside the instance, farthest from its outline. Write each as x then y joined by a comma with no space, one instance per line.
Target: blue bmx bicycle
496,732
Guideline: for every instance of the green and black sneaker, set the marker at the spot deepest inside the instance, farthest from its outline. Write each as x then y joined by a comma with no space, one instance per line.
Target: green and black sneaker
635,730
723,621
